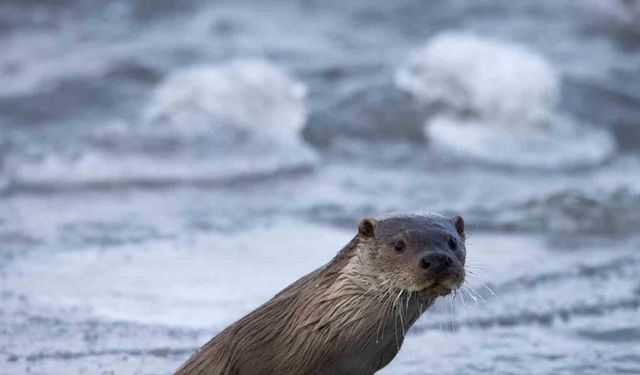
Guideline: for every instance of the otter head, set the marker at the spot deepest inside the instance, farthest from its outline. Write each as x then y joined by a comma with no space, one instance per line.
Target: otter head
423,253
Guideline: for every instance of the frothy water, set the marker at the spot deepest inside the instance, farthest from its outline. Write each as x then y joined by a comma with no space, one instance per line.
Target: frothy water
494,80
250,94
204,125
496,101
562,144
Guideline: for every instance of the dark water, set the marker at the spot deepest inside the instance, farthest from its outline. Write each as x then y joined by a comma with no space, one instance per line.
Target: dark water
166,167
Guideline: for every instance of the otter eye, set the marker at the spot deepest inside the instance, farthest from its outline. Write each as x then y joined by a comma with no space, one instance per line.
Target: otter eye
399,246
452,243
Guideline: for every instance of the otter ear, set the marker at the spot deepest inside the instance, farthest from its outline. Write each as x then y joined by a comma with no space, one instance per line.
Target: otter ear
366,227
458,222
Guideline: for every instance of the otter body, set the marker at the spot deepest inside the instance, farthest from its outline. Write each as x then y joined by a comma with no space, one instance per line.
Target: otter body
349,316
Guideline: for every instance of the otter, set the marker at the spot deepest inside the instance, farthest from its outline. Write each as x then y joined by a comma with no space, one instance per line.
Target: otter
349,316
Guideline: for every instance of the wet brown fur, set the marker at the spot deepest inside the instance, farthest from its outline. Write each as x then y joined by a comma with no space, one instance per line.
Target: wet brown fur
340,319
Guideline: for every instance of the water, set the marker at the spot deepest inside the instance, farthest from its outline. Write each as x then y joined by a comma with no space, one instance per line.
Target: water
166,168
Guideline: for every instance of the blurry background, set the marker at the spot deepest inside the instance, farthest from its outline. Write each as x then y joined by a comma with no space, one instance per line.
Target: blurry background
165,167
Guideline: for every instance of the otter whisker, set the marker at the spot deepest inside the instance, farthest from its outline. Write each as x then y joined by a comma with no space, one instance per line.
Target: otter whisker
470,293
398,297
464,303
385,310
388,307
406,307
382,311
421,306
472,311
477,293
475,263
395,322
389,310
473,293
399,306
488,289
473,276
399,313
402,319
453,327
464,306
473,270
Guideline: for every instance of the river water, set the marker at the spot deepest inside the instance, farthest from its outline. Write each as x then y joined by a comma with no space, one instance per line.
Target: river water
166,167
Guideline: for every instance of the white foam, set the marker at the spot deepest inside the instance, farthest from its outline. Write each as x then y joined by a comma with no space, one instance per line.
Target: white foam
203,124
95,168
564,144
245,93
497,102
490,79
210,281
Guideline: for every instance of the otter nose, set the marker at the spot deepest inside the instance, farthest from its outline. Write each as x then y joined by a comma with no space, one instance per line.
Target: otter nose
436,263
